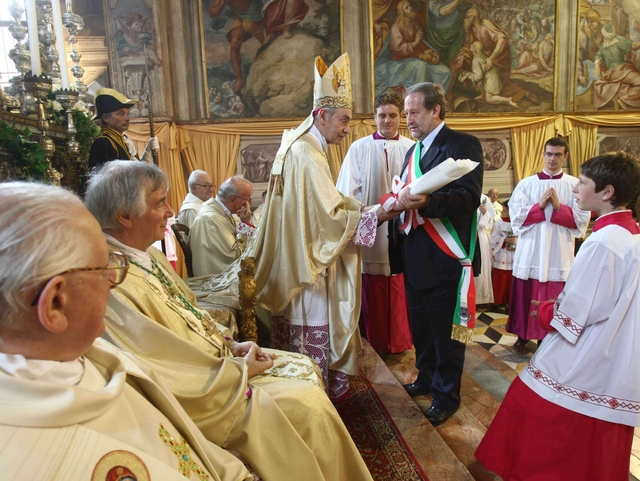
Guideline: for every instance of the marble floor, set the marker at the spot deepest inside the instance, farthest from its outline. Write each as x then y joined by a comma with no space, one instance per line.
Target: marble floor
446,452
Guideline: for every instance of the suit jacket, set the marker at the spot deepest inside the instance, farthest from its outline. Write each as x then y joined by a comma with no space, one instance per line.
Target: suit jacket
424,264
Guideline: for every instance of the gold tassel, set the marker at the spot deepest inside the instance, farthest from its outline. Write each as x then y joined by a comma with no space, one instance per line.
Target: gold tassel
462,334
276,184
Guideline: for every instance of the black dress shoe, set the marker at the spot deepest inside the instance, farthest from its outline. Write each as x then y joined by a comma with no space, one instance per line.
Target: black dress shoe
415,389
437,417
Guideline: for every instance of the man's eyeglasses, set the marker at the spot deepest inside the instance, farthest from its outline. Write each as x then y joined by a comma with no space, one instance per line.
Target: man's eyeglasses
118,266
206,186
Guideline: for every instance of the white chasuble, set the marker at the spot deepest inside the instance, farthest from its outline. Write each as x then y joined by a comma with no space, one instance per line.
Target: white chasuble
116,417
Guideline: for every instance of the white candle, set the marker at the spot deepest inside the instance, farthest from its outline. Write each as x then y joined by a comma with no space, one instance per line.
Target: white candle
69,6
34,43
62,53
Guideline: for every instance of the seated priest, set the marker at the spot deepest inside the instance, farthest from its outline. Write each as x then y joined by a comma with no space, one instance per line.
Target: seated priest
271,407
73,404
200,190
216,238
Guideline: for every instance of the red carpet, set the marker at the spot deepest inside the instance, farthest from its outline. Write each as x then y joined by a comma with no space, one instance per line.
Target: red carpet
376,436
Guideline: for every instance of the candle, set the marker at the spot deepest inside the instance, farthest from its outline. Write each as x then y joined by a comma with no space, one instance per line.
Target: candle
69,5
62,53
34,43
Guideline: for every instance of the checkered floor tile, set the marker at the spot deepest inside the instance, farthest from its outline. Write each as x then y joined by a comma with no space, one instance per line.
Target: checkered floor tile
490,334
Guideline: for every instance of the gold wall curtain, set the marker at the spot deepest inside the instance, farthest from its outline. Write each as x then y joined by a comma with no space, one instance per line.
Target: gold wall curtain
168,156
583,134
207,150
528,145
528,135
582,143
219,144
214,147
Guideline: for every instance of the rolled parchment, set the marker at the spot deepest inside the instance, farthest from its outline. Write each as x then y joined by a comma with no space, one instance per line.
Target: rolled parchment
441,175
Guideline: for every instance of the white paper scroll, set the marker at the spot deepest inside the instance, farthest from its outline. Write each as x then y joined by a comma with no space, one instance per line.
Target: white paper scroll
441,175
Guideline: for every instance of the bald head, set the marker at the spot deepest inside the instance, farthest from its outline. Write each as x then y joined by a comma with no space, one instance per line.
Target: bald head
235,192
47,311
201,185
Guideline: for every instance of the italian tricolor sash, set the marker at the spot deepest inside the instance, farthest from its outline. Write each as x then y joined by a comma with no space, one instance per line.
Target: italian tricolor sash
446,237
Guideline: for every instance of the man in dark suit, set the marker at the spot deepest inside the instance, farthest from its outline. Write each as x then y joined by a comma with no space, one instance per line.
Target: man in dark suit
431,276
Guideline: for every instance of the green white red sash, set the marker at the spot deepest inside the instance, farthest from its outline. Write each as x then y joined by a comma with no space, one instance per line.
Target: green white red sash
446,237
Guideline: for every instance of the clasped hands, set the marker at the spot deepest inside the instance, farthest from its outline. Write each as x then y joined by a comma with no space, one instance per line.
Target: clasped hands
256,360
549,196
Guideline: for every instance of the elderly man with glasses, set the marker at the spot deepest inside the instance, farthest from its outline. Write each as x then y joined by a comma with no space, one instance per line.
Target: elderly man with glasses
269,406
200,190
217,238
73,404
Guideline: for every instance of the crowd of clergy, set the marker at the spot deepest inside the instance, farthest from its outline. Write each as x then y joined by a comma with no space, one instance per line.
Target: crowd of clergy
112,367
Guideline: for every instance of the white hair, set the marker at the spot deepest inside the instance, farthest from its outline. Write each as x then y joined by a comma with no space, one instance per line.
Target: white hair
37,241
119,188
230,186
195,177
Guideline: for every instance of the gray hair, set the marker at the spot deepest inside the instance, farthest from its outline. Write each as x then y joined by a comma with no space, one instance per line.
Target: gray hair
229,187
433,94
119,188
37,241
331,111
195,177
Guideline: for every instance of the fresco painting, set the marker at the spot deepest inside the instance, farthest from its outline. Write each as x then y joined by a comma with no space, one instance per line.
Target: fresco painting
490,55
259,54
608,67
129,23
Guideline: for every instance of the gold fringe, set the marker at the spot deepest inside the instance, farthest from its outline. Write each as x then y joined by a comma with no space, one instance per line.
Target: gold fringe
462,334
276,184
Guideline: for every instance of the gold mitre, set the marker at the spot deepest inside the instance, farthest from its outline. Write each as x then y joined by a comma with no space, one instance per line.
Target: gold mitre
333,84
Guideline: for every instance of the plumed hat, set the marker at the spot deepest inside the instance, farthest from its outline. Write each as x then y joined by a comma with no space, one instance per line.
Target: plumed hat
333,84
109,100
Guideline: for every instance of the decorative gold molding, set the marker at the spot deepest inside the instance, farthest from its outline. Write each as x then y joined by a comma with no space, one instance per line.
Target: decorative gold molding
247,293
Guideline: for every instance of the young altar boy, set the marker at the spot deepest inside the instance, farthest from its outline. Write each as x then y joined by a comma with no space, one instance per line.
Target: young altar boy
572,411
503,247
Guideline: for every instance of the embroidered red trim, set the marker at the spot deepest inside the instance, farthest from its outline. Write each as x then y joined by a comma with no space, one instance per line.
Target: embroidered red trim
569,323
580,395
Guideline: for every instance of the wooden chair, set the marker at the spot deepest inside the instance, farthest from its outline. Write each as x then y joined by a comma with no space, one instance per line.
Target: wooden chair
182,234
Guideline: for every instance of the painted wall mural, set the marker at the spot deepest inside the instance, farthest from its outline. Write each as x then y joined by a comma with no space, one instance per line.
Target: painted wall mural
259,54
608,66
490,55
129,24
